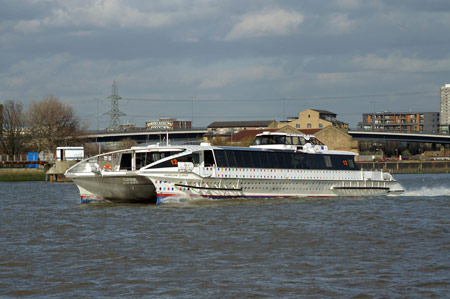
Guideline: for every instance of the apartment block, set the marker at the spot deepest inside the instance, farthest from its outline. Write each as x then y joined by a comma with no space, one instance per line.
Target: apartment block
404,122
445,108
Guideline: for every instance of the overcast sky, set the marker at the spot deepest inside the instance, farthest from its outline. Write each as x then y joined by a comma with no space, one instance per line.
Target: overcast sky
226,60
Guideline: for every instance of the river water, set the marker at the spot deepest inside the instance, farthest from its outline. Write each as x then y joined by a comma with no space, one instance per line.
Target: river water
51,245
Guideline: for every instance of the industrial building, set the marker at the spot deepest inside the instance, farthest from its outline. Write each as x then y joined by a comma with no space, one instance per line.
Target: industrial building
168,124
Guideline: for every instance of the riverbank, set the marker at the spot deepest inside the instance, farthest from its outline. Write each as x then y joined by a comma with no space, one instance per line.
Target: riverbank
408,167
21,174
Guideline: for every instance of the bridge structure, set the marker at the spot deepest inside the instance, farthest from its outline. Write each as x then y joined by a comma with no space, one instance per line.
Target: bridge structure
400,137
195,135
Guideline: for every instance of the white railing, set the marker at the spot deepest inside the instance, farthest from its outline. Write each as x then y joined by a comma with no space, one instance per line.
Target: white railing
14,158
102,162
49,157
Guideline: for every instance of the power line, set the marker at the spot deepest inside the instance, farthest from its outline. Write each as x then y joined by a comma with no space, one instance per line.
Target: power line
398,94
324,98
197,116
91,100
115,113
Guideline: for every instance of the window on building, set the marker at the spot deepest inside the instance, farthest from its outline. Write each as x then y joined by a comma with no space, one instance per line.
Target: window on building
308,126
297,126
320,125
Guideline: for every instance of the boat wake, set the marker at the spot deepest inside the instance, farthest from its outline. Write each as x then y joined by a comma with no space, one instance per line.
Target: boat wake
180,200
428,192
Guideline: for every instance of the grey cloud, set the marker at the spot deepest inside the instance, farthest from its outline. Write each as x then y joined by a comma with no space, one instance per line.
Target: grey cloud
257,49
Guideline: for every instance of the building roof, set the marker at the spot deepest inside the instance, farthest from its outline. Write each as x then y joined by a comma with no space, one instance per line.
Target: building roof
338,122
324,112
240,124
310,131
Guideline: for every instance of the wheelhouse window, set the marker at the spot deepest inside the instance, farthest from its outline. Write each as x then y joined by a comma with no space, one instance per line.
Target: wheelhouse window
193,158
145,158
208,158
269,139
315,141
125,161
297,140
141,160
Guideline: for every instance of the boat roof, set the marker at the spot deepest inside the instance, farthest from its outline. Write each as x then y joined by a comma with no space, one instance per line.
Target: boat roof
193,148
268,133
196,148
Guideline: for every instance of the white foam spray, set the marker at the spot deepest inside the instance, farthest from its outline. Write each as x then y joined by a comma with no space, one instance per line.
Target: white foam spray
428,191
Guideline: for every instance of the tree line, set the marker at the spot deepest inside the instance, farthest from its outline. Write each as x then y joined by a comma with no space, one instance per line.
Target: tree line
45,125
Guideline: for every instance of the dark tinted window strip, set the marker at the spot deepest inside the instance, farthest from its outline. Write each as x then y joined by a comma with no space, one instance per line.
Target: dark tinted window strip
283,160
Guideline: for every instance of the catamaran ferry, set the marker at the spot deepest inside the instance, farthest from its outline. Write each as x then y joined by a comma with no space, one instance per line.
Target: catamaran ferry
277,165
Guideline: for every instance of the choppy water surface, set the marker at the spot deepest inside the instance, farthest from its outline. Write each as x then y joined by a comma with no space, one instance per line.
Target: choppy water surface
50,245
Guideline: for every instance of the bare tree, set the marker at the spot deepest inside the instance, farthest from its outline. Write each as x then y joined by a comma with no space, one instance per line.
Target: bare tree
53,123
14,136
125,143
220,141
92,149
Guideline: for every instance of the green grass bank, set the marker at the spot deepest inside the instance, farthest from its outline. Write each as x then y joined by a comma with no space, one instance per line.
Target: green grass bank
21,174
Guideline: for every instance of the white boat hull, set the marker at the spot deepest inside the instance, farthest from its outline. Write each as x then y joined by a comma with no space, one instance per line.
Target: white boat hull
193,186
115,189
154,174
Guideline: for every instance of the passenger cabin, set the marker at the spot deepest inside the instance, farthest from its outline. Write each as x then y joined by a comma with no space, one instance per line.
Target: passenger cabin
232,157
269,151
139,158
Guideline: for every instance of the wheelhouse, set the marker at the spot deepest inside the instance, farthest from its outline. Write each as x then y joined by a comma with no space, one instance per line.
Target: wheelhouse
266,139
272,140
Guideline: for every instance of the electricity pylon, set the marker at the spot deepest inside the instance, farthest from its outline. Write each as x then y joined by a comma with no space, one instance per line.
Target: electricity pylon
114,113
